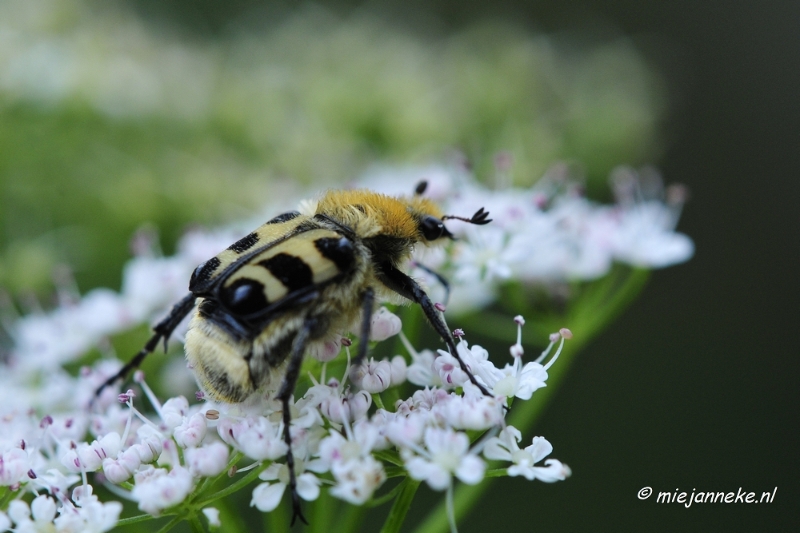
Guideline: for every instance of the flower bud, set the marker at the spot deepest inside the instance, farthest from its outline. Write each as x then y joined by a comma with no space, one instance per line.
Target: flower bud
384,324
191,431
208,460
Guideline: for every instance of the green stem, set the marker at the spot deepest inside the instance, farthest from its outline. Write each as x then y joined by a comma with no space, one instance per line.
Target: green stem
194,523
6,496
401,505
234,487
378,401
169,525
389,457
375,502
394,471
134,519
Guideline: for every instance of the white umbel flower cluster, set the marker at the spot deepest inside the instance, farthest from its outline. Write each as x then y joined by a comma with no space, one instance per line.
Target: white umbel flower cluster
338,441
545,234
57,441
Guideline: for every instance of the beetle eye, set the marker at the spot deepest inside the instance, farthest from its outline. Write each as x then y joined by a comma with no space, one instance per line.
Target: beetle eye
432,228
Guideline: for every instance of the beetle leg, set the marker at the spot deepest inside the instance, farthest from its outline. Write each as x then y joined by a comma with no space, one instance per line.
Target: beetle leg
368,301
405,286
284,395
441,279
163,331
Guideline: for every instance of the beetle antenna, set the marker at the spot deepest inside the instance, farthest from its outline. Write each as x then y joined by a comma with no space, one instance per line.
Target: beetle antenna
421,187
479,218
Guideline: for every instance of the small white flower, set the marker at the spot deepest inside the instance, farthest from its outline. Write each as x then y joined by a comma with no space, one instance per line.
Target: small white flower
43,509
173,412
151,445
340,408
521,381
256,437
92,515
90,457
191,431
449,370
267,496
406,431
355,470
474,410
505,448
357,481
19,512
398,370
373,376
477,360
122,468
446,454
212,515
208,460
157,489
421,371
14,464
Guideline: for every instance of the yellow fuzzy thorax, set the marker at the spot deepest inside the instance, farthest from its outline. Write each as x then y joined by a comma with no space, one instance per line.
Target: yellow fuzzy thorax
370,213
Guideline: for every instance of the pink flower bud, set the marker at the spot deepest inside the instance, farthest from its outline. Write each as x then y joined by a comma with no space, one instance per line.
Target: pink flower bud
114,471
208,460
384,324
191,432
399,368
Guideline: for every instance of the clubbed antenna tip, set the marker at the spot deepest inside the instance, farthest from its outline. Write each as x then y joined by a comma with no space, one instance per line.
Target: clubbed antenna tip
479,218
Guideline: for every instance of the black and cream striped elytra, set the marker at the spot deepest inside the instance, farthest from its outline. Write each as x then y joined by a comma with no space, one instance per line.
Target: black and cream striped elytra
298,280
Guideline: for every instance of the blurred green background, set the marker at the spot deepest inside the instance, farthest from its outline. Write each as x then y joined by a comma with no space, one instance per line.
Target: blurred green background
694,387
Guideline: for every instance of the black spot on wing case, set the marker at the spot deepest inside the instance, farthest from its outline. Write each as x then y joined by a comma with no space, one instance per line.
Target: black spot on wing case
245,243
243,297
208,276
339,250
288,275
291,271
